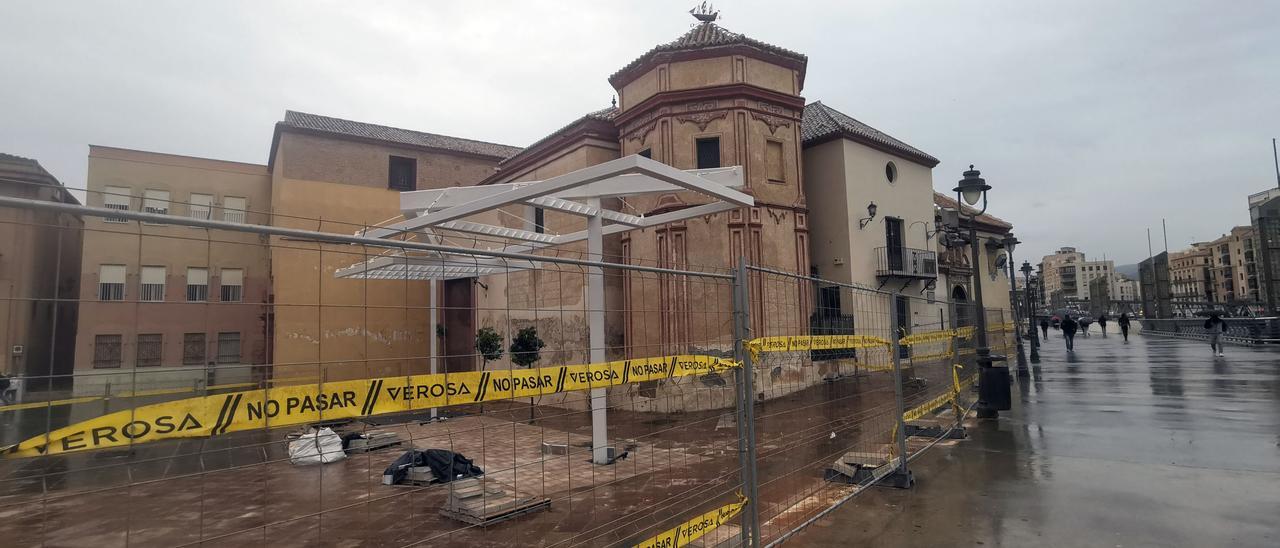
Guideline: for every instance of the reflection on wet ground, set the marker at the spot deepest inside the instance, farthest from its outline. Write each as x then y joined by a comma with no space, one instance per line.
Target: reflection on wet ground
1152,442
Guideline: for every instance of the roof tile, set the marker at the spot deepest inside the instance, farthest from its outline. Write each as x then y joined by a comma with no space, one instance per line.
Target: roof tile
339,126
705,35
821,122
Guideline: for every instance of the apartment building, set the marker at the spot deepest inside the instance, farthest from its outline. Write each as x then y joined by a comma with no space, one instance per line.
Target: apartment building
1234,271
166,306
1191,277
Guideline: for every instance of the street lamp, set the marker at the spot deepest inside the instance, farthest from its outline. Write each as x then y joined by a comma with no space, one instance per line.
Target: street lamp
1009,243
1031,313
993,382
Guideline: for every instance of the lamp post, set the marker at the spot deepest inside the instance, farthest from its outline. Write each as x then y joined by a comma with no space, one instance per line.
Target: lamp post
993,382
1010,242
1031,313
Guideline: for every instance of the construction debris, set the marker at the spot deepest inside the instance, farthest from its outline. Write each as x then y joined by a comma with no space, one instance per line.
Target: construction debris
481,501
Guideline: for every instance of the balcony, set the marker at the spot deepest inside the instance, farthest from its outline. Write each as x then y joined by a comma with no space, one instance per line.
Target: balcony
905,262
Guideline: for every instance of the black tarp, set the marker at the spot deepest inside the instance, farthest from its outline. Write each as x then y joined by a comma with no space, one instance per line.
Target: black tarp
445,465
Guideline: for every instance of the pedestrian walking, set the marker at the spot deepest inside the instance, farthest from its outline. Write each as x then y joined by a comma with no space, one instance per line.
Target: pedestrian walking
1216,327
1124,325
1069,327
1044,327
1084,322
1102,323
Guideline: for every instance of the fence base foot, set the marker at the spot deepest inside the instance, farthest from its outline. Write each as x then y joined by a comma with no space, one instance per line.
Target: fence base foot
898,480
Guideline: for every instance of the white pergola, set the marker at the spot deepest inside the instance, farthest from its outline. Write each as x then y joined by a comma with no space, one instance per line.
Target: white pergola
435,213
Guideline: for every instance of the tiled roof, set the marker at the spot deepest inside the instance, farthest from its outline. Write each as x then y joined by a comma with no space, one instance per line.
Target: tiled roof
603,115
338,126
943,201
707,35
821,123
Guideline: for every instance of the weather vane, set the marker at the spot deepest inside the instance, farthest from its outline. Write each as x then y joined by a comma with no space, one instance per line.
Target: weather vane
705,13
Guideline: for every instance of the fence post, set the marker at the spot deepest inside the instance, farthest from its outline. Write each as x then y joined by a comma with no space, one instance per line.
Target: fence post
745,402
900,402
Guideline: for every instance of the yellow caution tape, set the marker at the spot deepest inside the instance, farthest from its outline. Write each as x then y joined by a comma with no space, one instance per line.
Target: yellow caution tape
689,531
301,404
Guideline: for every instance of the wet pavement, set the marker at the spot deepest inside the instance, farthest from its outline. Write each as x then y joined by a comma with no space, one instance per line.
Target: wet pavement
1153,442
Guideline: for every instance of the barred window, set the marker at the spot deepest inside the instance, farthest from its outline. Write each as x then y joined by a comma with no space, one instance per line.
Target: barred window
111,282
152,284
197,284
193,349
233,209
229,347
199,206
150,349
232,288
106,352
155,201
115,197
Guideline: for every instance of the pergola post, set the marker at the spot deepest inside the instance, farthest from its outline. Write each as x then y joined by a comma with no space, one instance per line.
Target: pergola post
595,339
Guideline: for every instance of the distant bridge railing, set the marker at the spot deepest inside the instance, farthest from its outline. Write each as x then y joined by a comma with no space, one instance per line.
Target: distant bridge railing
1239,330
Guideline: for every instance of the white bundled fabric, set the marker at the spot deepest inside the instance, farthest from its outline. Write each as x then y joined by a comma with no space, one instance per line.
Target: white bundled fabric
316,447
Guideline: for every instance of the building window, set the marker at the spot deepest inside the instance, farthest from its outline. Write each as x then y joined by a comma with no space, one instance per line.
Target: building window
199,206
232,287
115,197
233,208
229,347
197,284
773,161
891,172
539,220
155,201
402,174
708,152
106,352
193,348
647,153
150,349
151,284
111,282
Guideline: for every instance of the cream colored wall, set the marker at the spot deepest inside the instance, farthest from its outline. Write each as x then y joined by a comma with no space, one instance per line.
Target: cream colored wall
332,327
829,217
176,248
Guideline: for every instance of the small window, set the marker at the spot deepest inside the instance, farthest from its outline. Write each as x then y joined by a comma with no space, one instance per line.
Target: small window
233,208
891,172
647,153
115,197
193,349
773,159
151,284
228,347
155,201
232,288
403,174
106,352
539,220
708,152
199,206
150,349
111,282
197,284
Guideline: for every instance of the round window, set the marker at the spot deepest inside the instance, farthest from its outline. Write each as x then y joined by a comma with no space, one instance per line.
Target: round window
891,172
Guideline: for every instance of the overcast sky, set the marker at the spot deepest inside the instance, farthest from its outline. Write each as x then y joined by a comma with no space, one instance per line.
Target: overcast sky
1092,120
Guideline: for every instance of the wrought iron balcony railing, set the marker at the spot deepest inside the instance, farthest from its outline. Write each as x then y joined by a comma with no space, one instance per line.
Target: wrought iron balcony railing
905,262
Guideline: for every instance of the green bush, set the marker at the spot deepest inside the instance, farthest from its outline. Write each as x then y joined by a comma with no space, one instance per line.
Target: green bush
526,347
489,344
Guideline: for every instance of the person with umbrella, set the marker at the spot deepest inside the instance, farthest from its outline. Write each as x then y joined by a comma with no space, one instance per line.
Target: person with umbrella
1216,327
